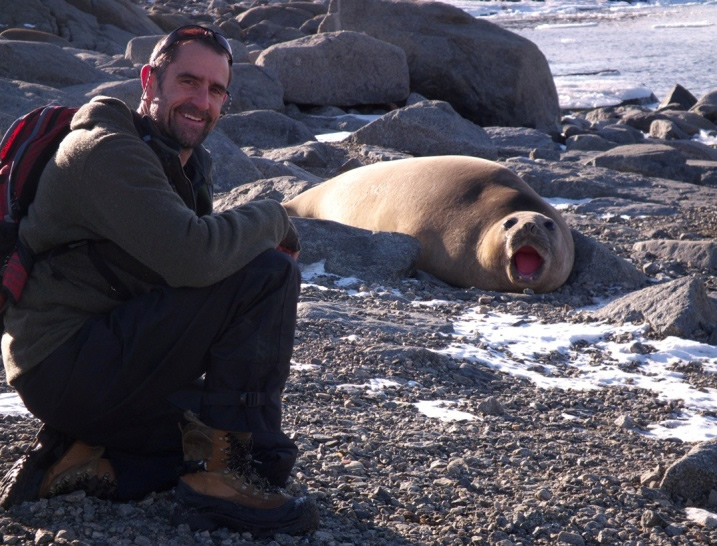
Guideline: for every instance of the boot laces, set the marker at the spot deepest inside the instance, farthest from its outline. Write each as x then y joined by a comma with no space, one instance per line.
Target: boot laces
241,464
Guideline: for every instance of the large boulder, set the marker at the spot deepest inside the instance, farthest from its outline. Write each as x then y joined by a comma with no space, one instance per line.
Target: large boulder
656,160
339,69
254,88
19,97
46,64
100,25
230,166
490,75
293,15
264,129
424,129
595,265
693,477
700,254
680,308
372,256
707,106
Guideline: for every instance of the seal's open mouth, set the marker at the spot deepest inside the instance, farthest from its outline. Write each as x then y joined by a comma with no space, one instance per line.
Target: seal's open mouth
527,261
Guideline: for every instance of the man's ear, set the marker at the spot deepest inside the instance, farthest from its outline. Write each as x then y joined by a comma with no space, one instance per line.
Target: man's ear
145,74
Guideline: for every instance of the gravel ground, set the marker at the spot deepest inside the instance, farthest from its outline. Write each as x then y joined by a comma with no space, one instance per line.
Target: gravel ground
384,473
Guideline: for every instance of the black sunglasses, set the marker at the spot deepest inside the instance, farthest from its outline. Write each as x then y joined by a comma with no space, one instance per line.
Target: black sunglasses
195,32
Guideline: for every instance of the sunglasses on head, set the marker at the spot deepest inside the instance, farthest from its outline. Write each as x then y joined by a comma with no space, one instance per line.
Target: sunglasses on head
195,32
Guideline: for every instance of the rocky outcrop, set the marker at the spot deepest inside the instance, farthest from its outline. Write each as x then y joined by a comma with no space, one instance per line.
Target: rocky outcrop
648,159
508,84
679,308
426,128
339,69
693,477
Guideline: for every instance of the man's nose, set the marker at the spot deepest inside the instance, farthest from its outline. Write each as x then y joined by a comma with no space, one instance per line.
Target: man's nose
200,98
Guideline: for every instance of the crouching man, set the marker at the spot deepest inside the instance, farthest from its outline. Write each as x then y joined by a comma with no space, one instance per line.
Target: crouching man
153,339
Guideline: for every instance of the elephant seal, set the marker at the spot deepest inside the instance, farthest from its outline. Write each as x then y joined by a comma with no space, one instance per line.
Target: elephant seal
478,223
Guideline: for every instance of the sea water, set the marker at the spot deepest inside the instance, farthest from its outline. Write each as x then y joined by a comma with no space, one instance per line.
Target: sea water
602,53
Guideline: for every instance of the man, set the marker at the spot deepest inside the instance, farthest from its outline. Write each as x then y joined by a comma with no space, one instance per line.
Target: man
146,304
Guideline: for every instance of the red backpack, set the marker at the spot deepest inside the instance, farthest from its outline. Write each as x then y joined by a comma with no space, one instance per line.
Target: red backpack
25,149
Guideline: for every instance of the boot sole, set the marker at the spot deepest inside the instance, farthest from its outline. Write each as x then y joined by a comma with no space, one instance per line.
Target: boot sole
22,481
205,513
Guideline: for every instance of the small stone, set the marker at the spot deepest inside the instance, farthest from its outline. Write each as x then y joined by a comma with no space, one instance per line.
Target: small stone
625,421
491,406
43,536
570,538
544,494
674,530
651,519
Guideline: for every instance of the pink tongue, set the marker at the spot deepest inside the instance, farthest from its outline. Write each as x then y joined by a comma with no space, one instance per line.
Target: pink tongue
527,260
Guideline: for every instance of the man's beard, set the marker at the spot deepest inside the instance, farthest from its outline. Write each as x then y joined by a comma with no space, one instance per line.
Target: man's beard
185,137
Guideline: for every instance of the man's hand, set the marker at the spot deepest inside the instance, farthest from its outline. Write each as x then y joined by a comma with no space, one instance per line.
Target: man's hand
290,244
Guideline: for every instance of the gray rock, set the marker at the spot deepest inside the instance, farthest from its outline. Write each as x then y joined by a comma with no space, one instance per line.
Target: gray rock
264,129
139,49
689,122
230,166
519,141
707,106
648,159
508,84
254,88
129,91
621,134
589,143
700,254
624,207
596,265
31,35
424,129
691,149
266,33
708,171
353,252
100,25
666,129
316,157
292,15
692,477
679,96
19,97
679,308
339,68
46,64
278,188
274,169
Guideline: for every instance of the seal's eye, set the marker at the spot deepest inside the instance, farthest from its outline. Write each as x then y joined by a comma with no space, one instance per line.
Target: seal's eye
550,225
510,222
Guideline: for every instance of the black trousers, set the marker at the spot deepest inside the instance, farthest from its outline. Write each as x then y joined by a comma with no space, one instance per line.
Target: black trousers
124,380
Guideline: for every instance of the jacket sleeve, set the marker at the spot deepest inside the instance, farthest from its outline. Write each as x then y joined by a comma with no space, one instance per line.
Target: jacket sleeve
128,200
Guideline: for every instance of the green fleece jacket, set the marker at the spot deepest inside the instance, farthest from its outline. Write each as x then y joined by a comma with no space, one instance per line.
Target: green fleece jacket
106,184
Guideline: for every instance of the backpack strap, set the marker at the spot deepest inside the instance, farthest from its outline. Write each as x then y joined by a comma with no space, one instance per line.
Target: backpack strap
118,289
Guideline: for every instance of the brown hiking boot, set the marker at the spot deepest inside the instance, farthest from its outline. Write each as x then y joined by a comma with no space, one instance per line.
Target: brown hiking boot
81,467
230,493
55,464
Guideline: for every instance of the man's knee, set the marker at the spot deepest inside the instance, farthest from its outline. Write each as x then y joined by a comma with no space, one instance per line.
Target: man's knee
275,263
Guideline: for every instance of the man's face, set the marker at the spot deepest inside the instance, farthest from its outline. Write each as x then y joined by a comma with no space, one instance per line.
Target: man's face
187,104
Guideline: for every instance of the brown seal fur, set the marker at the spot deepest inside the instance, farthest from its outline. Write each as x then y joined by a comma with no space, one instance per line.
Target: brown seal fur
478,223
